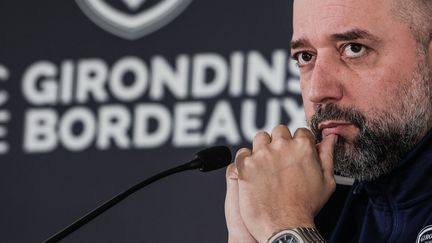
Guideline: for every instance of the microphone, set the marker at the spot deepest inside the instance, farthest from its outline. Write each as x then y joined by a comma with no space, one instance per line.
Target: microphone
205,160
212,158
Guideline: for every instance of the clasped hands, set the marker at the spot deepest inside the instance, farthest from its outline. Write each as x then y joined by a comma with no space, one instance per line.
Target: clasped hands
281,183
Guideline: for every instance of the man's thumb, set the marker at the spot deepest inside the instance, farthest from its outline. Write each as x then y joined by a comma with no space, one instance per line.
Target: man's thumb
232,182
325,151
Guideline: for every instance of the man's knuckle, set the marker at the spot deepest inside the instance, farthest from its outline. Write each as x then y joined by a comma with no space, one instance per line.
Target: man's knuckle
229,171
261,134
242,152
303,132
248,163
280,127
280,144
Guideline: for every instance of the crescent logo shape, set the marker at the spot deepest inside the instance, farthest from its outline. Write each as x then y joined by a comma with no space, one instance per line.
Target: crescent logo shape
425,235
132,26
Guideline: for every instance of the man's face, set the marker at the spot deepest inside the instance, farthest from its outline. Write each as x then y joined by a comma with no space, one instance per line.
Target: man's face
363,78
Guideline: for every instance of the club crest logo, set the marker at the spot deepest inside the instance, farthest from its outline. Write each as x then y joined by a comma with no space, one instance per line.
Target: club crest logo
425,235
142,18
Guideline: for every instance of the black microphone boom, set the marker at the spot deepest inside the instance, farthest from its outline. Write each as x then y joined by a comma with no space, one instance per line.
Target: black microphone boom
206,160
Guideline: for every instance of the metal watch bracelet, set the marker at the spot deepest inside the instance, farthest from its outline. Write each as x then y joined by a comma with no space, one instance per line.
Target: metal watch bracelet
307,235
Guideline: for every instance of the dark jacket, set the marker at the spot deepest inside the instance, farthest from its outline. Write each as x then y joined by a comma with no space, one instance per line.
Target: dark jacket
394,208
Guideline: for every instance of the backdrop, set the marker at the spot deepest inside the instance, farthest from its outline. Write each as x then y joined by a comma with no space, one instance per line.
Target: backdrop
96,95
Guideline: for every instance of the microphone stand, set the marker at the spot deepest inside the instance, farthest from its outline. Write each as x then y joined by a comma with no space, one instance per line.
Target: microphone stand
194,164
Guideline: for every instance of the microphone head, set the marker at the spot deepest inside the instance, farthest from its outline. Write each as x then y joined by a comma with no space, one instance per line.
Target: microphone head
214,158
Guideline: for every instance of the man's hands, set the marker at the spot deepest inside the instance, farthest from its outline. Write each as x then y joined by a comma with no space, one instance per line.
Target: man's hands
282,183
237,231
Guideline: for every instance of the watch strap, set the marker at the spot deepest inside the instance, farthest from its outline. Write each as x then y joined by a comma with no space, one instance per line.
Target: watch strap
306,235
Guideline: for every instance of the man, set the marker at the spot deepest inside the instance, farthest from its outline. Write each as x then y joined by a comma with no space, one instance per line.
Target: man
366,81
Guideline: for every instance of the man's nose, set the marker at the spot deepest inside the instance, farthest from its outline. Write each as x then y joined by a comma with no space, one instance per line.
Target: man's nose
325,84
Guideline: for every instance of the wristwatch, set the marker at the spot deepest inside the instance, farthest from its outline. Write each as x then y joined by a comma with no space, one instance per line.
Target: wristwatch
297,235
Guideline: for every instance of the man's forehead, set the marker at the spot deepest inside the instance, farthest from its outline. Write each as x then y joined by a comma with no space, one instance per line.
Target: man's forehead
335,7
324,18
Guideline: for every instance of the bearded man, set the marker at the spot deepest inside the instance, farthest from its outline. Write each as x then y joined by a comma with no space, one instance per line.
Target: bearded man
366,79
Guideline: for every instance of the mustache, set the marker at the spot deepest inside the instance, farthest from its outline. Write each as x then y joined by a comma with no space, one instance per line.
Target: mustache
334,112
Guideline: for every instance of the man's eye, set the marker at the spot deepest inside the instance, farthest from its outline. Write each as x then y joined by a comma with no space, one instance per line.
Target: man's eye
303,58
354,50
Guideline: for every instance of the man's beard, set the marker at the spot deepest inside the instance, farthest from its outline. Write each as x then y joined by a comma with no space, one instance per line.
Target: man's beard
384,138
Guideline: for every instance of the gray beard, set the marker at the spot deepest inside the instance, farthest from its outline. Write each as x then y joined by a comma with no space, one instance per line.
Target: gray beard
383,141
376,151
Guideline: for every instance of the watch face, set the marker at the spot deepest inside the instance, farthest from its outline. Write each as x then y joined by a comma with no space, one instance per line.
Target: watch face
287,238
